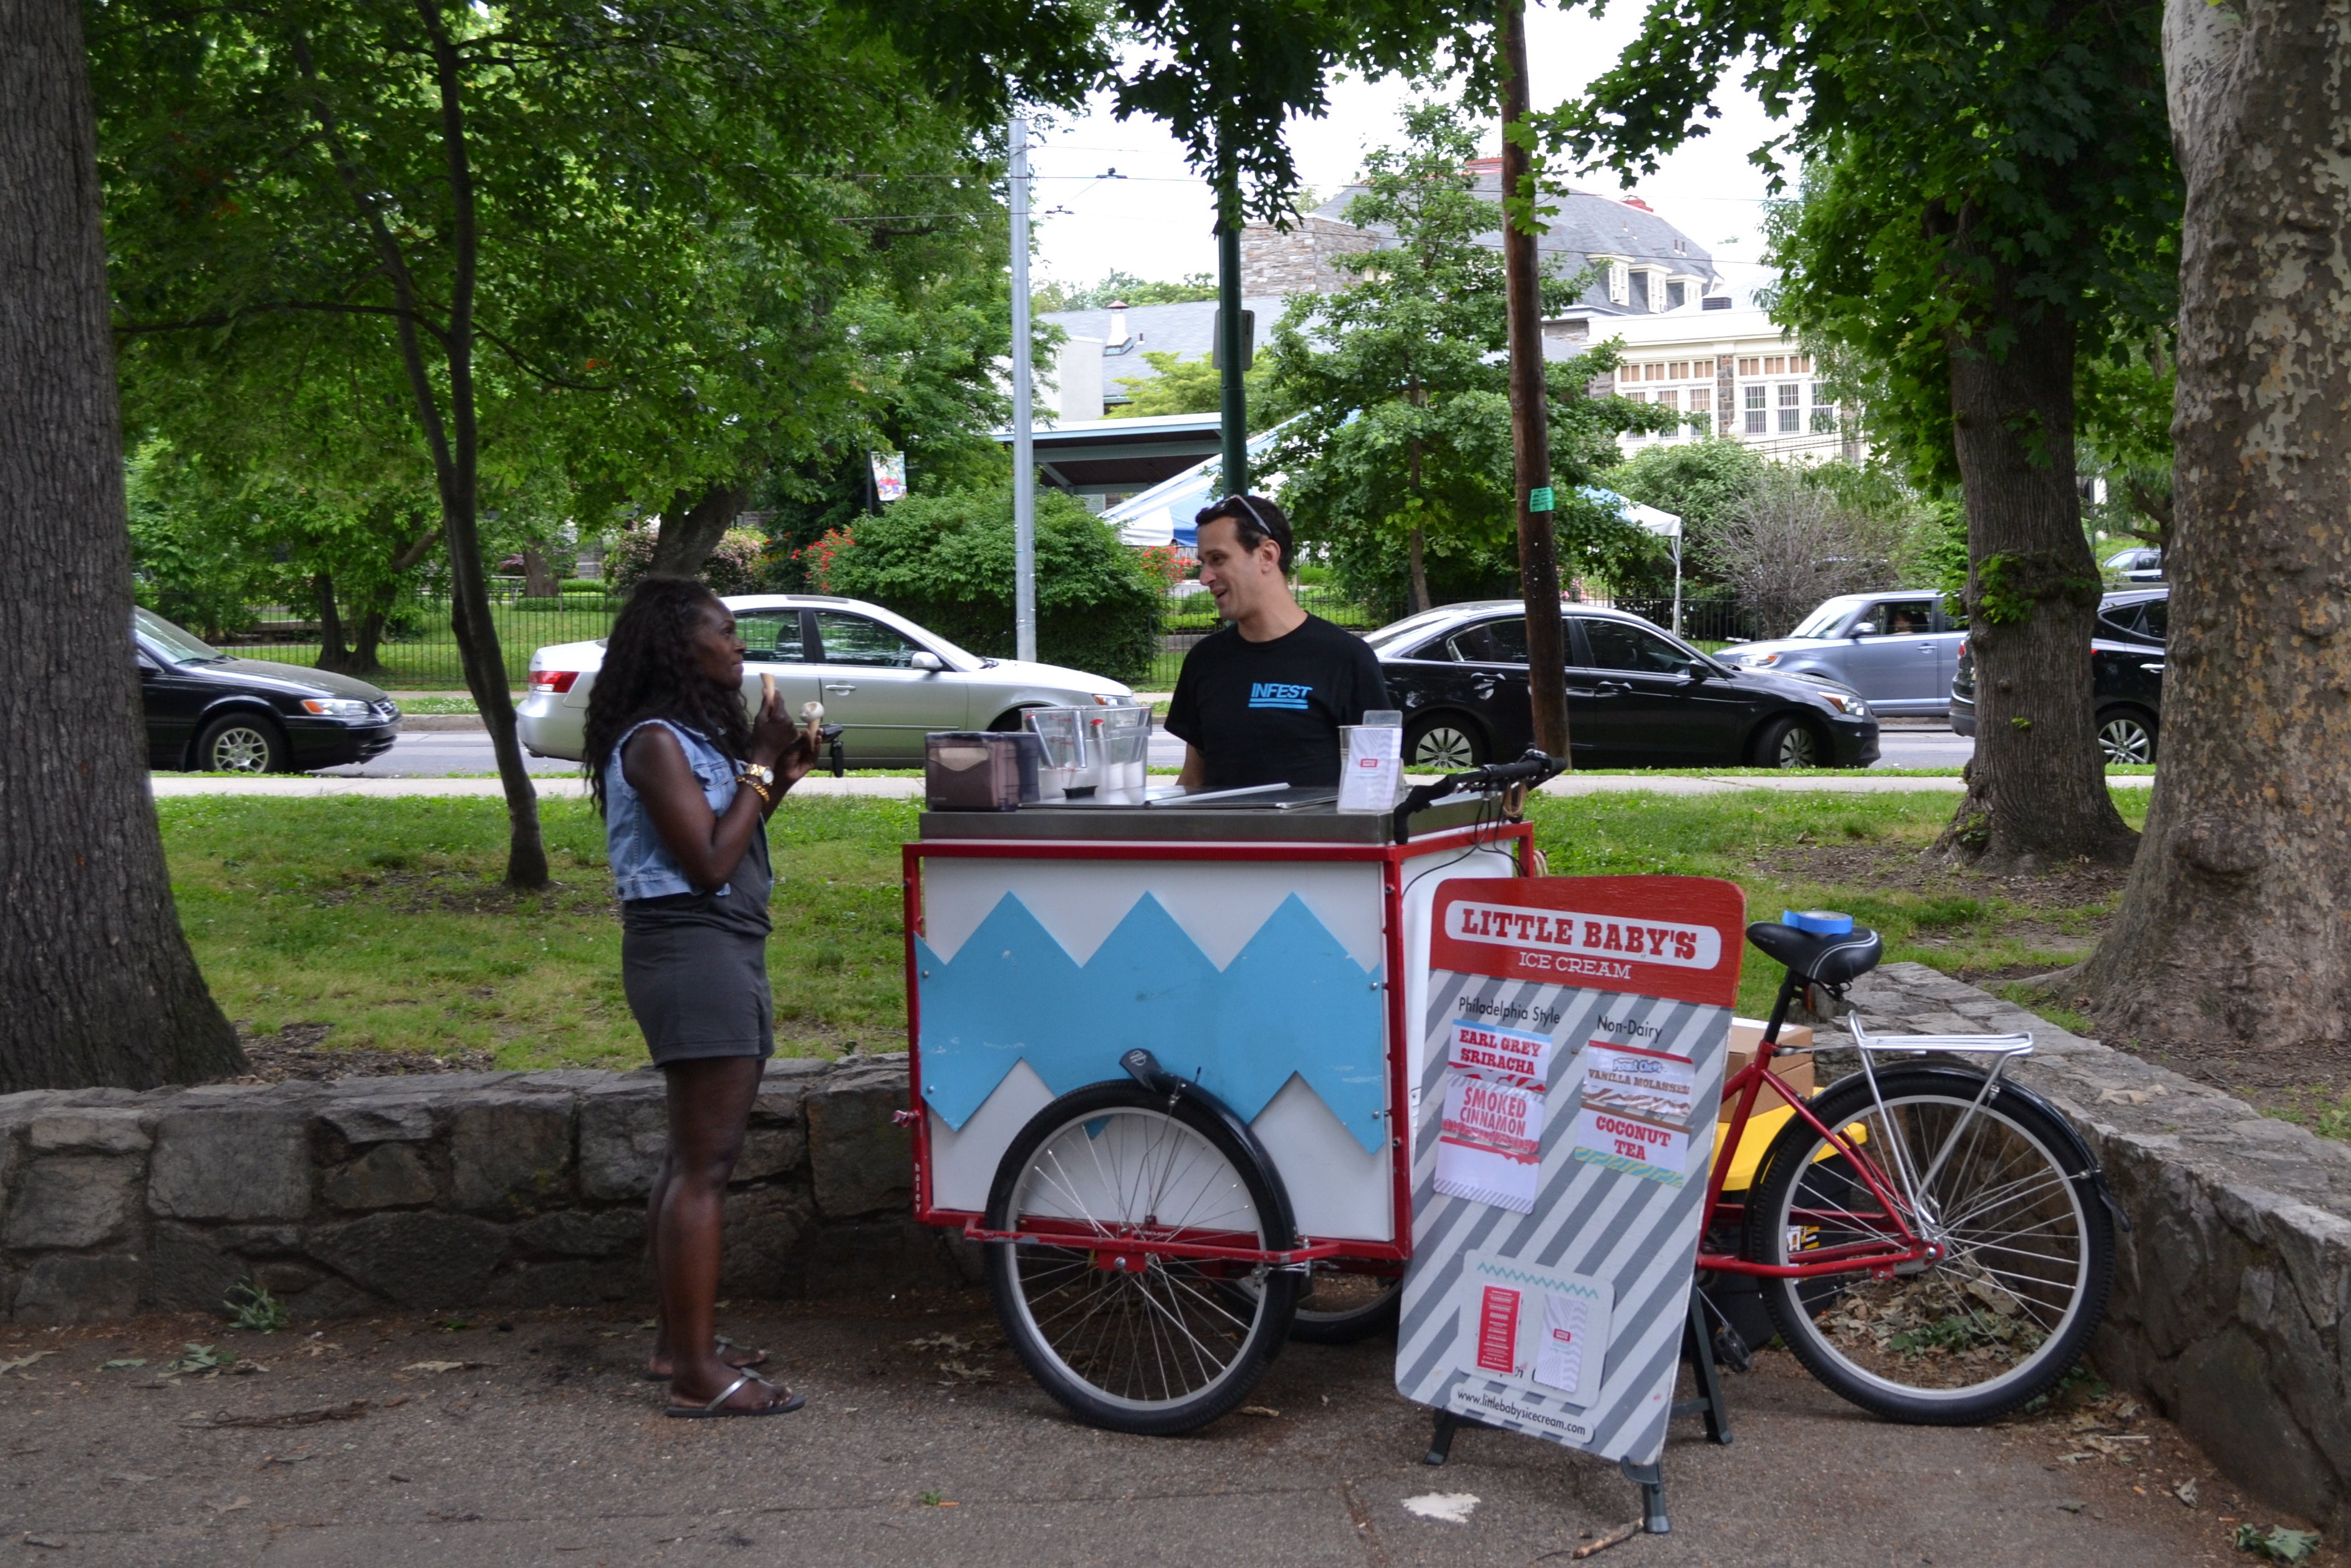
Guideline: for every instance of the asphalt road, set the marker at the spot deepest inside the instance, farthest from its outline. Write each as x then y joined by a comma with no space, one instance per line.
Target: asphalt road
435,754
527,1439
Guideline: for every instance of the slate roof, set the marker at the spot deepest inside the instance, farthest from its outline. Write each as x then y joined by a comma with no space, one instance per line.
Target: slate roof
1587,224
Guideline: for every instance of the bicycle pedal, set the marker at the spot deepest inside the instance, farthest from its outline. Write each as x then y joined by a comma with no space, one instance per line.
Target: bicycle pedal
1731,1350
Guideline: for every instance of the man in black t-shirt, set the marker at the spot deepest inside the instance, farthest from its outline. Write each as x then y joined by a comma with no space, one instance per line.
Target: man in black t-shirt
1260,701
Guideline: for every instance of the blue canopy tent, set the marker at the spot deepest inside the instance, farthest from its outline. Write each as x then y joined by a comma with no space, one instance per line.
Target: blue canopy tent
1163,515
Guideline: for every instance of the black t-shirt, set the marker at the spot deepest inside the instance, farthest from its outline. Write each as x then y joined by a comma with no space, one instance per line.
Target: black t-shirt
1269,713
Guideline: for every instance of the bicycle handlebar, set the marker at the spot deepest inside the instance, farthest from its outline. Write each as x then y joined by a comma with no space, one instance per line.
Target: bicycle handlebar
1531,770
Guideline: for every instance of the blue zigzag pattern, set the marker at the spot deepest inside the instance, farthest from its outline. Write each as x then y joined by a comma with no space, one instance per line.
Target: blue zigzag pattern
1292,1000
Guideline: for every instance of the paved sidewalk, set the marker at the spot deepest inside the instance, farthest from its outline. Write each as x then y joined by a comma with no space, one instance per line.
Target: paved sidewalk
538,1446
170,786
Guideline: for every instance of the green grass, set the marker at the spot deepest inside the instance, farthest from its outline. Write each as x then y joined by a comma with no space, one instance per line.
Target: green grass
383,919
1950,923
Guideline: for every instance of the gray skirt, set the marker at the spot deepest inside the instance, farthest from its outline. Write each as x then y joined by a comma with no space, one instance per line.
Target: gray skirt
698,991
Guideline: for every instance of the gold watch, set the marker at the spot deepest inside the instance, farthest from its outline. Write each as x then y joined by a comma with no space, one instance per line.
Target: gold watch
764,775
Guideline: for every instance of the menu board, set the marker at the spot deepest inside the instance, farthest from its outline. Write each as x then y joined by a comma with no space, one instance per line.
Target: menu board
1576,1035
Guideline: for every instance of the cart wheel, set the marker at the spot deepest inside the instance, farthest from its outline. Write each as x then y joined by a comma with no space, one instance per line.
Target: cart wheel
1338,1305
1129,1339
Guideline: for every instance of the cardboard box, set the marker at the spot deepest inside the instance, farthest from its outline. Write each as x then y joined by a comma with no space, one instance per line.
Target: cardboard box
1745,1034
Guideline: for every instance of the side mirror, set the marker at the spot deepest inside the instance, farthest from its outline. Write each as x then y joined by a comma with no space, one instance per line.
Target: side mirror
1865,628
929,663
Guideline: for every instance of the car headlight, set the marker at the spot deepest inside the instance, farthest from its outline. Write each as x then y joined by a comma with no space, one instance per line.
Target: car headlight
1846,703
338,707
1759,661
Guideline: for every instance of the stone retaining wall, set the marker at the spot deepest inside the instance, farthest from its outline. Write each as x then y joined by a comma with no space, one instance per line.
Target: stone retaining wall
438,1190
2232,1298
2230,1311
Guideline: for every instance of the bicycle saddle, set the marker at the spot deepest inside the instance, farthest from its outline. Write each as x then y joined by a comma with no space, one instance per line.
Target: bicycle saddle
1829,960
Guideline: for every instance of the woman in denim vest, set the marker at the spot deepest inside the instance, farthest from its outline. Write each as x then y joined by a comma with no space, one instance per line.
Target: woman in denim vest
686,782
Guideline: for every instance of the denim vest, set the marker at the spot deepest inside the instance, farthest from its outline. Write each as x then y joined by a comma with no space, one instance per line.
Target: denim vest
641,863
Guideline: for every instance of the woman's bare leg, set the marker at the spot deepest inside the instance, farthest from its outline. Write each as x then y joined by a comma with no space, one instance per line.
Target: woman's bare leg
709,1112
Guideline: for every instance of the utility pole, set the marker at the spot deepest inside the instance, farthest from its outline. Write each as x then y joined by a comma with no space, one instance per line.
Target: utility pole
1529,402
1232,399
1024,446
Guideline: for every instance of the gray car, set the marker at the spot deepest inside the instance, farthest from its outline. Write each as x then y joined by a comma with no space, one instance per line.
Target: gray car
886,681
1896,648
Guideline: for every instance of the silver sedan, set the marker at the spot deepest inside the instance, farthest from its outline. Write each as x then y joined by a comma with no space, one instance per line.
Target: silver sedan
1896,648
885,679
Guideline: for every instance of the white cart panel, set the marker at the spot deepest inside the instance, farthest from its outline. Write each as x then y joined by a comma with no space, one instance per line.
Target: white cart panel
1262,980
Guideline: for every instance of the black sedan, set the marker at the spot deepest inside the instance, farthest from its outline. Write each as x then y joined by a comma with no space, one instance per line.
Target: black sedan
220,714
1636,697
2125,675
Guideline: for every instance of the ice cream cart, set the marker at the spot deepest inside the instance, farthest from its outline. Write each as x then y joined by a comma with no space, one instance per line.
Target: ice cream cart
1165,1058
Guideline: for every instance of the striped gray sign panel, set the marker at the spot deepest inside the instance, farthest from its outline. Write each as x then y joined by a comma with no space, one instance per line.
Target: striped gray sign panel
1589,1220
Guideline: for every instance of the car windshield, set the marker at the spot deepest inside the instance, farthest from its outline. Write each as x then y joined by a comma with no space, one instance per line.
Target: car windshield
1823,622
178,646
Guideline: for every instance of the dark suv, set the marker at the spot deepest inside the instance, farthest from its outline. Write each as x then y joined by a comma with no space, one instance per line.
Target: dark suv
2126,674
1636,697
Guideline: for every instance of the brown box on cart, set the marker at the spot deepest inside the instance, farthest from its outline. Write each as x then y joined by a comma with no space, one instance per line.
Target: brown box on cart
1745,1034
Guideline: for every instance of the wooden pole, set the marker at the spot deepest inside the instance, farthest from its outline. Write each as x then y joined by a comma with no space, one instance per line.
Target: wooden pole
1530,403
1232,399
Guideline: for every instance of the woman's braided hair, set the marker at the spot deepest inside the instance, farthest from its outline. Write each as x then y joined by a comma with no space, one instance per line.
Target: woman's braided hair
650,670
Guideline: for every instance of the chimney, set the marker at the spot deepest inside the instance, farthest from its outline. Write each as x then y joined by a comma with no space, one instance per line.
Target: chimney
1117,325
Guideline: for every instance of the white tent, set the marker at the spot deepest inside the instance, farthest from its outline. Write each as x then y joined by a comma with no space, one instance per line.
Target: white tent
1665,525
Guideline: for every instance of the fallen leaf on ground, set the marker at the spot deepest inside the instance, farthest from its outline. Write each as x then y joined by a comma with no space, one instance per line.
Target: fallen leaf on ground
2073,1505
53,1541
1259,1410
19,1365
124,1365
442,1365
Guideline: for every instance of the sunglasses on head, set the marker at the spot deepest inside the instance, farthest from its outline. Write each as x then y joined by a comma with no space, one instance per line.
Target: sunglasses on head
1279,530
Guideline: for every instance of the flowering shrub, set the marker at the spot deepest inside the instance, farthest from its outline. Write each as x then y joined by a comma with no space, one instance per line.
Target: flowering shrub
817,559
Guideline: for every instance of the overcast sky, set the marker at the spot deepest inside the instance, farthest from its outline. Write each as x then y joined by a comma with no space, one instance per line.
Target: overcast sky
1153,220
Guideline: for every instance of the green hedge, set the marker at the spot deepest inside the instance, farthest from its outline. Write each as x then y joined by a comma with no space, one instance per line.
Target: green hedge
945,561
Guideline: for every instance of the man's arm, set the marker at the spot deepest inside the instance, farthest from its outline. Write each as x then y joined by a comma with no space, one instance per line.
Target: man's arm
1196,773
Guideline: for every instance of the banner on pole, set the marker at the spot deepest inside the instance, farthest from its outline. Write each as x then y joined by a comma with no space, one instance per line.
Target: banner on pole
1576,1035
890,475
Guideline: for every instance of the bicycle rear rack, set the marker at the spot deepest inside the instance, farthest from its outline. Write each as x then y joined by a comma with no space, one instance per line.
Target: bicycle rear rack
2002,1048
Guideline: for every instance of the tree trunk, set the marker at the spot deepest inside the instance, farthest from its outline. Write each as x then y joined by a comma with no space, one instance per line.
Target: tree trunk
692,526
1420,595
537,576
1531,401
333,653
477,634
101,985
2036,792
2236,923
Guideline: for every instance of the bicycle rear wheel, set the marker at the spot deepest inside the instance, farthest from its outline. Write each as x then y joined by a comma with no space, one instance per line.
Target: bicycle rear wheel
1125,1337
2027,1251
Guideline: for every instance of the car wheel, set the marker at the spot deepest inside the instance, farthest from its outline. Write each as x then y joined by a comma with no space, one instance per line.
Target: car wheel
1788,742
241,743
1442,743
2126,735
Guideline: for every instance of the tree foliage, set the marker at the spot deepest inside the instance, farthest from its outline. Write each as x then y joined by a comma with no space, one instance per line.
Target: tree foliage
1401,448
1119,287
1971,170
1193,386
